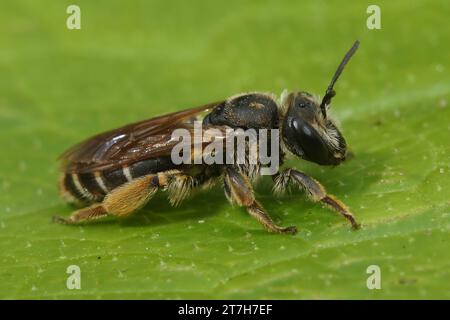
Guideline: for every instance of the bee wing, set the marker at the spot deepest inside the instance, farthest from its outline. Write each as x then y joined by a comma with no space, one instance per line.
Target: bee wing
134,142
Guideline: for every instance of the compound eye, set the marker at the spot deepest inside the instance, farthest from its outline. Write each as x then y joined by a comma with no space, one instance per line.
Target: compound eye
302,127
310,142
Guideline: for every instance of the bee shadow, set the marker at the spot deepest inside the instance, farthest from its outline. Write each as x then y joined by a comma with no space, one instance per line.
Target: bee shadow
200,205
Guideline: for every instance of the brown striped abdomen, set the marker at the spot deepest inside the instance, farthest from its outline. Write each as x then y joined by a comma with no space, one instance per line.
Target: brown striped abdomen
93,186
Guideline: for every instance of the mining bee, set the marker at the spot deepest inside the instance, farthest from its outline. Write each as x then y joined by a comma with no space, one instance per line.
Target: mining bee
117,172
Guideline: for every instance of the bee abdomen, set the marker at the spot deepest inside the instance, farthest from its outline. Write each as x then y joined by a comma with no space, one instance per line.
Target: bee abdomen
84,187
94,186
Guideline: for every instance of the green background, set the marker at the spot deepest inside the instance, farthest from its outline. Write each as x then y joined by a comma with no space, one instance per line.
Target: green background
135,59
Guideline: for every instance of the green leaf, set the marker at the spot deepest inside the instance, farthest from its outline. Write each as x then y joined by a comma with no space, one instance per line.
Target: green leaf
134,60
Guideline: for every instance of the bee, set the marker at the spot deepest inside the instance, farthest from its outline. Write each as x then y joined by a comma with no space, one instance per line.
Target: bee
116,173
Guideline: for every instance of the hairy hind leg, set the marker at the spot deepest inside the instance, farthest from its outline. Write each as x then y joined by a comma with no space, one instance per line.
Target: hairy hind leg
120,202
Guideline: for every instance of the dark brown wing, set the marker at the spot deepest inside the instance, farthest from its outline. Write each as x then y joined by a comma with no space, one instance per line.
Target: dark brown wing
131,143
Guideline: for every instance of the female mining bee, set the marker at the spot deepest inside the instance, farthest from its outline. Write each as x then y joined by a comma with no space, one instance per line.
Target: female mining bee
118,172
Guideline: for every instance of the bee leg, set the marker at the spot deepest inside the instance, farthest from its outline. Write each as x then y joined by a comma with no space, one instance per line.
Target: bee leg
93,212
315,190
120,202
239,190
179,186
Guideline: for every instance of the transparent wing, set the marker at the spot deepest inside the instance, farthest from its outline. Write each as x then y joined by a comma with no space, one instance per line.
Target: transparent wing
131,143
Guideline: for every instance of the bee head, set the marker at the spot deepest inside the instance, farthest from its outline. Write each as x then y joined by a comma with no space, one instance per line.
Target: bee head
306,129
310,136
